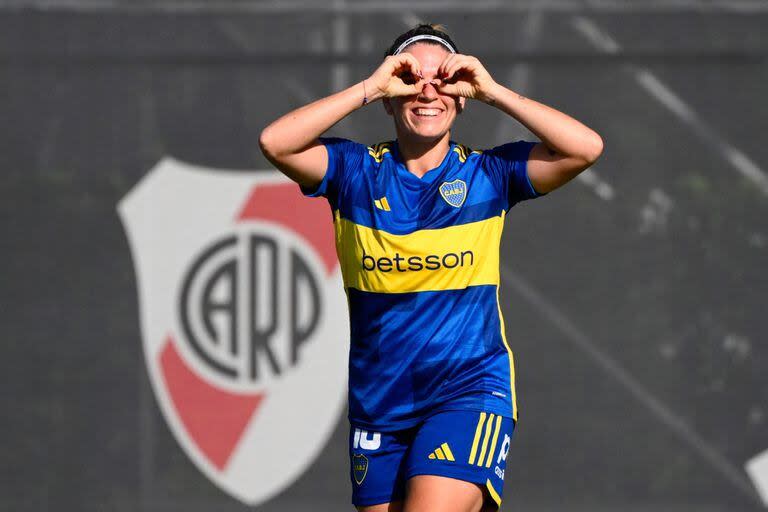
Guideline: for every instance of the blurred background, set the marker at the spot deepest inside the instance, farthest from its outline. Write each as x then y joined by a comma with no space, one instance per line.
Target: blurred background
634,297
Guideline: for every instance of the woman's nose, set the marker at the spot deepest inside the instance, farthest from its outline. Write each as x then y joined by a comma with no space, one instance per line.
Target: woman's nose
429,90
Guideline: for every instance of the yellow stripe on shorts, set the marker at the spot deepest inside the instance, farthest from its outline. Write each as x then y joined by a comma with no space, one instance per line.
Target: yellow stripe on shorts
478,429
493,443
486,437
493,492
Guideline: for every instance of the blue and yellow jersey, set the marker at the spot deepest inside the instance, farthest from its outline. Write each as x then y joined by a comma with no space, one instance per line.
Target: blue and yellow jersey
420,263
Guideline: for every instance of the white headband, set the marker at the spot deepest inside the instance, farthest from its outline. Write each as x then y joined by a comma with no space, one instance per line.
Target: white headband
414,39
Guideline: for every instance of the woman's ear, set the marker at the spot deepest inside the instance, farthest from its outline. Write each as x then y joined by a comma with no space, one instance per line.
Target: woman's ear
387,105
460,104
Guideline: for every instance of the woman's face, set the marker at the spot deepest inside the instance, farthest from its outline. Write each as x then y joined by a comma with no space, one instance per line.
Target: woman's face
426,116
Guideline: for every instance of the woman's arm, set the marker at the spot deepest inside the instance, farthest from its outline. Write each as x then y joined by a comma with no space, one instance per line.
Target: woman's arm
291,142
567,148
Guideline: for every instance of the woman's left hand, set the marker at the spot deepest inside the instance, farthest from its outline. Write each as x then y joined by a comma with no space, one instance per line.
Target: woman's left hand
464,76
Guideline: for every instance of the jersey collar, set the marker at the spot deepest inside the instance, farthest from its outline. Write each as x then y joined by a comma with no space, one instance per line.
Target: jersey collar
429,176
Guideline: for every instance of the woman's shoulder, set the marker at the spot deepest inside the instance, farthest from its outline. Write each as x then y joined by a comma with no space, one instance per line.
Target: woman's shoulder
376,150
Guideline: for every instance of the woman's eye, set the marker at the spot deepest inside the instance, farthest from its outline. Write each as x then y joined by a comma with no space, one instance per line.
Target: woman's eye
408,77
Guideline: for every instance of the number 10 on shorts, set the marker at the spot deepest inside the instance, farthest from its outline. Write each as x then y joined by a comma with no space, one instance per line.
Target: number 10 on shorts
362,440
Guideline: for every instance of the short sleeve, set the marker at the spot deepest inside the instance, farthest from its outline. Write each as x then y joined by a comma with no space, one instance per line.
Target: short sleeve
507,166
344,159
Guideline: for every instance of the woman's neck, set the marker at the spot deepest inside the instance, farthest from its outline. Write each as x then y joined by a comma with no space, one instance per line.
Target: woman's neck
420,157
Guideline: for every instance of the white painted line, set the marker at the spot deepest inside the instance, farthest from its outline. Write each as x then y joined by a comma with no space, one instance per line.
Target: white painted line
757,468
747,167
654,405
597,37
393,7
677,106
665,96
600,187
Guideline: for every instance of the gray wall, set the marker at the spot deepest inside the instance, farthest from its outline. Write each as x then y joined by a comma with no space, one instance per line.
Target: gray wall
634,297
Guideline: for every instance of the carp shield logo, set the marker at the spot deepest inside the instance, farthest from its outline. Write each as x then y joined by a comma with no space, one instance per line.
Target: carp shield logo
243,319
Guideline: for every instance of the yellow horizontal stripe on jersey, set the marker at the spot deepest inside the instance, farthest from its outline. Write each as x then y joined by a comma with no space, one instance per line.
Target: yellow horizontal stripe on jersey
449,258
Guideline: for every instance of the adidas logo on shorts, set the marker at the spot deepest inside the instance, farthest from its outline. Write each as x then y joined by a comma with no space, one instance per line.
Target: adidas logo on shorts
443,452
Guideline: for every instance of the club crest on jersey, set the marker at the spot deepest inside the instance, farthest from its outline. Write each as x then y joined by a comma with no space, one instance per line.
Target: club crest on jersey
454,192
359,467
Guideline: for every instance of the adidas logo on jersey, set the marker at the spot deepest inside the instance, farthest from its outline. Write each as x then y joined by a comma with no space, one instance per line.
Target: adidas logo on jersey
443,452
382,204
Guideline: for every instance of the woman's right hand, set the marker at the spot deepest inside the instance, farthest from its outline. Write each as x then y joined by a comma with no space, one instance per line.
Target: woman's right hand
291,142
398,75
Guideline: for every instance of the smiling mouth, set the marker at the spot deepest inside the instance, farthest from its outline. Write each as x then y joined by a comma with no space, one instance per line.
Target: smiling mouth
427,112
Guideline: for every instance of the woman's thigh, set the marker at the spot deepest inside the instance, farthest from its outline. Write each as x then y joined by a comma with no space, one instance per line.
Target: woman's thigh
394,506
377,468
457,462
430,492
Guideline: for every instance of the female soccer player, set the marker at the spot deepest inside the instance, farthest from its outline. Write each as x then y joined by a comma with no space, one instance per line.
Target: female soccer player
418,223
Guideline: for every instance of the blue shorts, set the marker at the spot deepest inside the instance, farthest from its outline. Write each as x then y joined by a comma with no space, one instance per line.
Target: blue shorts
465,445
